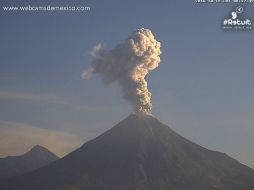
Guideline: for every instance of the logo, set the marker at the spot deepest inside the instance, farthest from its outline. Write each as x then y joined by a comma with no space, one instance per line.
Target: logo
237,21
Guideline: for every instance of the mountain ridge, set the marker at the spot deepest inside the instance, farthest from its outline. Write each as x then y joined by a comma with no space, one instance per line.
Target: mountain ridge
35,158
139,153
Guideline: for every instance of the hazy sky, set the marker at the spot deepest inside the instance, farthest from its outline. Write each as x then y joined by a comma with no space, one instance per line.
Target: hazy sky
203,88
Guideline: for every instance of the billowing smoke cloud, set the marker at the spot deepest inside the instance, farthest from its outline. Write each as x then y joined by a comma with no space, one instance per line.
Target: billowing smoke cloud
128,64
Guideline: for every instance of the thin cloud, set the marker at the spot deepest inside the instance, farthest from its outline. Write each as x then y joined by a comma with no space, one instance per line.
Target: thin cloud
46,98
8,95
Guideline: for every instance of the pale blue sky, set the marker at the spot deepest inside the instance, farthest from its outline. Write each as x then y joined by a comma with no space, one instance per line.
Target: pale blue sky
203,88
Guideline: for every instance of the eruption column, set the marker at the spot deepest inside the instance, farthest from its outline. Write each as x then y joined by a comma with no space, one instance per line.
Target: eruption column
128,64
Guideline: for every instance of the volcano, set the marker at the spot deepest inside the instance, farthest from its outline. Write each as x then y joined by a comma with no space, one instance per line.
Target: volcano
139,153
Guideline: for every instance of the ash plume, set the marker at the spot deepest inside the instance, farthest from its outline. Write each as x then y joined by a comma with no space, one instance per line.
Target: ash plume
128,64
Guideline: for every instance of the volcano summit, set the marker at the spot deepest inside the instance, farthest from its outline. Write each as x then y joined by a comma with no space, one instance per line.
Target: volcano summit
139,153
